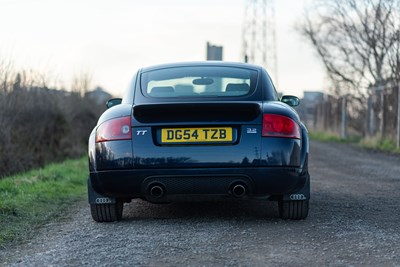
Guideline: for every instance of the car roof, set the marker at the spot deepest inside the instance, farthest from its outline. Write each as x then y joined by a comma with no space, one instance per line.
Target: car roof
202,64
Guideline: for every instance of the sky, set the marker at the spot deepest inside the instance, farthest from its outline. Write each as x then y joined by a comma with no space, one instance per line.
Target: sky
111,39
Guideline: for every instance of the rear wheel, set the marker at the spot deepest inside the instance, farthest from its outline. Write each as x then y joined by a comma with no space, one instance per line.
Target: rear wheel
107,212
293,210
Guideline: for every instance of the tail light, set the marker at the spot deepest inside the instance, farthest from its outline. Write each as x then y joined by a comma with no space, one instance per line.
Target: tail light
280,126
115,129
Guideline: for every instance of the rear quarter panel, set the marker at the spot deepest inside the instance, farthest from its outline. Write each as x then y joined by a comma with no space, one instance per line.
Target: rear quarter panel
282,151
113,154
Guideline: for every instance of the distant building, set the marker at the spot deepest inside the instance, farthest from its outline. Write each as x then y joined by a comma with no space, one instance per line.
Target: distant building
313,96
98,95
214,52
307,108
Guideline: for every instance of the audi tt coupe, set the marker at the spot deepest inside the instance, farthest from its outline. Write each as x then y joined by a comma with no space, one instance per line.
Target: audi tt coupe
199,131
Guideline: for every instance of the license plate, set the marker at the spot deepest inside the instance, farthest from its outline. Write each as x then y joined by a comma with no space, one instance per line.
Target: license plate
196,135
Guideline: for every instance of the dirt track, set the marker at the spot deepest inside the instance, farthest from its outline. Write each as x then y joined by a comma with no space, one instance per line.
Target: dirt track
354,220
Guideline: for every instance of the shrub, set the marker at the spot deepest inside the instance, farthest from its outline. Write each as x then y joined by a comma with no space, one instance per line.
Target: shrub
40,125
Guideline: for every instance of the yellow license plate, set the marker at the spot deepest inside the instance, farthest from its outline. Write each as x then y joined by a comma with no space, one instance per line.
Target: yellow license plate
193,135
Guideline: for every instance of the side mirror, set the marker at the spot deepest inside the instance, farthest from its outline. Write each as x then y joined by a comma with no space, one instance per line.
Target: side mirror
291,100
113,102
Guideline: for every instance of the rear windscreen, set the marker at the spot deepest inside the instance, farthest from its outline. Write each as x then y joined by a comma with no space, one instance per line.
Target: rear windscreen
198,82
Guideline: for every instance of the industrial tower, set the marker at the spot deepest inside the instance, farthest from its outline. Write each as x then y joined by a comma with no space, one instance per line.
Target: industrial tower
259,36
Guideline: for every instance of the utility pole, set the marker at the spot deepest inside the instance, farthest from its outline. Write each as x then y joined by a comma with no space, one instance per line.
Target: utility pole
379,90
369,123
382,122
343,132
259,44
398,116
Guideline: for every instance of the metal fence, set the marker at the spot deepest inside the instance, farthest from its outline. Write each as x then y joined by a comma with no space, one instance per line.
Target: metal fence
376,115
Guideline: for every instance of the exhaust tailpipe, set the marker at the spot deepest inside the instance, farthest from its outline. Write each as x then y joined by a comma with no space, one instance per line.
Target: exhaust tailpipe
238,190
156,191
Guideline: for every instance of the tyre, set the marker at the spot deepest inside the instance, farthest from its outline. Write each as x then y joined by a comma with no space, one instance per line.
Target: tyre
107,212
293,210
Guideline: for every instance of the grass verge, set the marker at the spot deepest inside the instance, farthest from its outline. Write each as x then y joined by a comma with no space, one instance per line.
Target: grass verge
31,199
327,137
374,143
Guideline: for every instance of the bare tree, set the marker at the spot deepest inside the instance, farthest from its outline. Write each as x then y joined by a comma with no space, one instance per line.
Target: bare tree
81,83
6,74
357,40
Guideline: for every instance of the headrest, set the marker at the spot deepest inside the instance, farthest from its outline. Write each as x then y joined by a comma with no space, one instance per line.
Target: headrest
162,89
237,87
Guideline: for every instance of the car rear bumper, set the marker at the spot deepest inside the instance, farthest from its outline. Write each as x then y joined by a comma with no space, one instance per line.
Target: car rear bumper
259,181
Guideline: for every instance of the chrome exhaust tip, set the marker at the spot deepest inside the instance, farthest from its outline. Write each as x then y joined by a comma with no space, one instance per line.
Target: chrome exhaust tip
156,191
238,190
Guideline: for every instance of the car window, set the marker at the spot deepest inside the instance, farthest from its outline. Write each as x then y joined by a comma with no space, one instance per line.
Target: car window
198,82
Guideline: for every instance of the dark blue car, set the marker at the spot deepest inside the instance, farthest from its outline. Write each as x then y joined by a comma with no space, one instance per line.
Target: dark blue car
199,131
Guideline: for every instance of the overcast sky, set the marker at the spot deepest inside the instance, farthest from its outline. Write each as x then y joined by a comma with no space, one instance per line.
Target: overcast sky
112,39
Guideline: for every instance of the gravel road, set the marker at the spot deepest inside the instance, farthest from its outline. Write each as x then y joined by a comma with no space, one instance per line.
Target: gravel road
353,221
